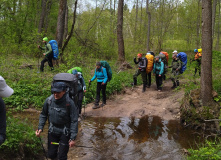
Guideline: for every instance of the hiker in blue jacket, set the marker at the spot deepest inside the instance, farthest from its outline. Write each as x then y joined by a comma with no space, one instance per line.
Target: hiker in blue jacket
101,75
48,54
158,70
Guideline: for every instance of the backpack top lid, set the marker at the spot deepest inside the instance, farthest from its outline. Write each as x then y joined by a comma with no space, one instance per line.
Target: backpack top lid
64,77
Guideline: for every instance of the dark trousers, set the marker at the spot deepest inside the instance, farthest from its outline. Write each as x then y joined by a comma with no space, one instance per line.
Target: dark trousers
149,79
159,80
99,88
47,59
80,99
143,75
60,150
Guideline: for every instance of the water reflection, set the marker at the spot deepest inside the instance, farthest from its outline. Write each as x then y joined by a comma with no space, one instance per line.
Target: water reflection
127,138
132,138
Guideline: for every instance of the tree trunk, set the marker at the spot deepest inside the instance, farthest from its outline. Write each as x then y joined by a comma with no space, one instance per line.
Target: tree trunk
149,22
61,22
136,19
213,17
218,31
120,39
198,26
66,24
47,20
206,68
72,27
42,17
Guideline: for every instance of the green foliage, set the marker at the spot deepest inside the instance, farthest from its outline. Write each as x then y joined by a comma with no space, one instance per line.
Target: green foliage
210,151
21,139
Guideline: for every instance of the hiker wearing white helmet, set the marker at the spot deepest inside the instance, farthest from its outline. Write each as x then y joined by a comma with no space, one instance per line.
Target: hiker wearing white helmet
5,91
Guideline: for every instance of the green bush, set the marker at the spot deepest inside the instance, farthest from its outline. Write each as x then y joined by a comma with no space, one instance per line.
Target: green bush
210,151
21,140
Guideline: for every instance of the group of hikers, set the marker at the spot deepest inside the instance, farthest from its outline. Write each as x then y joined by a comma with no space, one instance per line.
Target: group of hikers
63,113
159,65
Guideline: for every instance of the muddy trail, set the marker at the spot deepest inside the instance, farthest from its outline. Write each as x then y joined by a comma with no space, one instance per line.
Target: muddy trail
133,103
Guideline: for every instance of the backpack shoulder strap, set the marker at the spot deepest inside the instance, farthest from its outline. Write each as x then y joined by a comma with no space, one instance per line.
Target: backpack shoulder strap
50,100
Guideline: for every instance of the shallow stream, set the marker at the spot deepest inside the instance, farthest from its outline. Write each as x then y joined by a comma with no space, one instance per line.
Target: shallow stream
127,138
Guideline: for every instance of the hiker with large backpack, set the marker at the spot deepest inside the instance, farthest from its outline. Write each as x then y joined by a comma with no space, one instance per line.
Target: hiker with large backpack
62,114
102,77
175,72
197,59
164,58
158,69
150,59
142,65
183,58
81,88
48,54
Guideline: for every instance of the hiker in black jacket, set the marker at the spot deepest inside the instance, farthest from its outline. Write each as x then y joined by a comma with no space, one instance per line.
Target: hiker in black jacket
142,65
5,91
62,114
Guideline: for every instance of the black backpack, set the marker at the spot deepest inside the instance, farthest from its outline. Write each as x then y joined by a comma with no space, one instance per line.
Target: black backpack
71,81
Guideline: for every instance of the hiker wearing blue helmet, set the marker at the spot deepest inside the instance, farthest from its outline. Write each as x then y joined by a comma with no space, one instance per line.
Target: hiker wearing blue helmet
81,88
5,91
48,54
62,116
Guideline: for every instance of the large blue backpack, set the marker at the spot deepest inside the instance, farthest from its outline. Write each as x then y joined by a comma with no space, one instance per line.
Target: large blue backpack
183,57
54,46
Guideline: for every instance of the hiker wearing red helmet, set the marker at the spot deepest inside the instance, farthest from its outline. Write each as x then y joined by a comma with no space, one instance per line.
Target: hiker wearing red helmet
142,65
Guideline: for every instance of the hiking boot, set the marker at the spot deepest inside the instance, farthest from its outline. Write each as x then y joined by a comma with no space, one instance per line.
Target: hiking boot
134,83
102,105
174,85
177,83
144,88
96,106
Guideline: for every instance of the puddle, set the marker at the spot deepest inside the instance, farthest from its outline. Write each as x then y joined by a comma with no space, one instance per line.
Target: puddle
132,138
127,138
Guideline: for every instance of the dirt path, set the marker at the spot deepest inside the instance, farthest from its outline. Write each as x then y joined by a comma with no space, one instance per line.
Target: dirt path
164,104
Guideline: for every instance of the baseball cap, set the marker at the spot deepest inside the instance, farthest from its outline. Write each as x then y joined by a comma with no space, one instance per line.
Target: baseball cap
175,51
5,90
58,87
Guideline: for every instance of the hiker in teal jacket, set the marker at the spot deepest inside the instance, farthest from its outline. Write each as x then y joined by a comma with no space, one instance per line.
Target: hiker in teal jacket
48,54
158,70
101,75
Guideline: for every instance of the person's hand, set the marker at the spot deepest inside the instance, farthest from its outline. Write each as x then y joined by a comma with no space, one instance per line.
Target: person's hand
84,91
38,46
177,69
159,75
89,81
38,132
44,54
102,83
71,143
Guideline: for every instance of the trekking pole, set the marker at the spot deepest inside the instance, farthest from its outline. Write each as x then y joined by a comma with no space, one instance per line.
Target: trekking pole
43,148
84,106
55,143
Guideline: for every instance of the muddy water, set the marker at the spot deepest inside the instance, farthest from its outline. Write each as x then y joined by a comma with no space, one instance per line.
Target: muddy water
128,138
132,138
